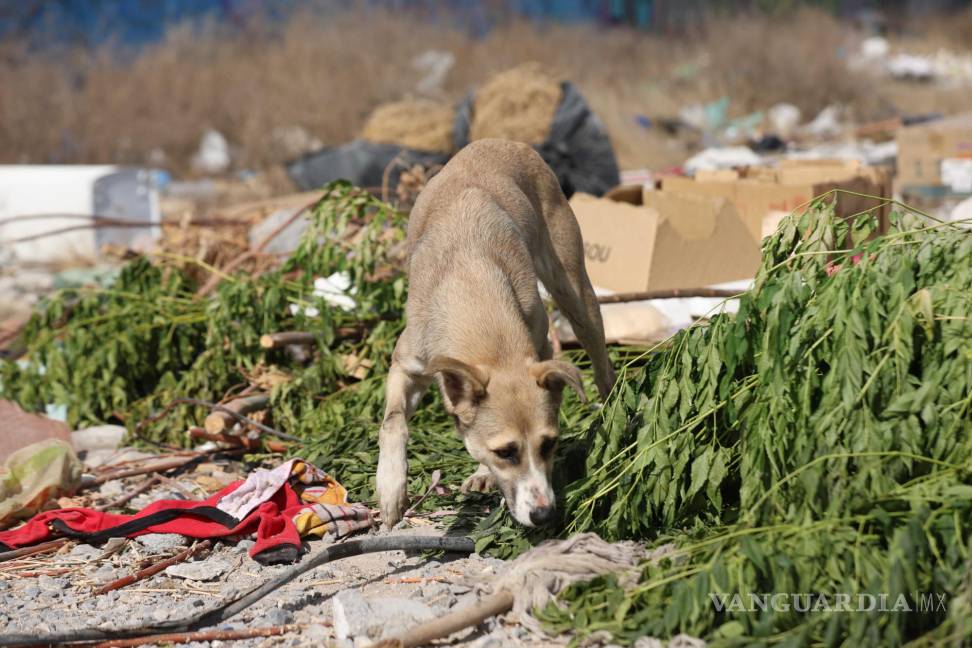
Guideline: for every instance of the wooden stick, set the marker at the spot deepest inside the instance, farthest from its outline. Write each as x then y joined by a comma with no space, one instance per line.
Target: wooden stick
202,635
29,551
154,569
675,293
157,467
238,440
222,420
465,617
286,338
282,339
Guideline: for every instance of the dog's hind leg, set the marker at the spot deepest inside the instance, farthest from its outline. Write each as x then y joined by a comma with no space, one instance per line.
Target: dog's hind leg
403,391
560,267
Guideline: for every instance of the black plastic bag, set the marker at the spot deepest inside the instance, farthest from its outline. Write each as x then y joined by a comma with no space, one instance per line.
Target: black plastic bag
362,163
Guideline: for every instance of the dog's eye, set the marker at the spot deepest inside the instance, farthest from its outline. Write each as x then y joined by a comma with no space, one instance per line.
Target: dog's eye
506,453
547,446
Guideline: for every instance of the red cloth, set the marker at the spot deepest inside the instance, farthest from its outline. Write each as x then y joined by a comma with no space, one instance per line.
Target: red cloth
274,527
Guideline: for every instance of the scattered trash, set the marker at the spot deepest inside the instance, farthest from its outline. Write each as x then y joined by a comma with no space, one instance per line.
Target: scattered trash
728,157
277,505
293,141
910,67
784,118
826,124
962,213
875,48
213,155
435,66
94,206
33,476
664,241
923,147
709,117
956,175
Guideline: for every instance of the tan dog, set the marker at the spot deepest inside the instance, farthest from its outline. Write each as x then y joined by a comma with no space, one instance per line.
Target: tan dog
482,232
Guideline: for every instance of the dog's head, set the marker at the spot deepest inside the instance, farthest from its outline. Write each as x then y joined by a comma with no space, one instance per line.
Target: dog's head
508,421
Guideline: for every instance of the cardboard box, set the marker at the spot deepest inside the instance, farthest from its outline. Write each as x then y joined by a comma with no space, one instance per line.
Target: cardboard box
922,149
763,194
669,241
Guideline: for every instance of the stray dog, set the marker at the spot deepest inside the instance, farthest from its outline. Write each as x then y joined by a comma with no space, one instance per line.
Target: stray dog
482,232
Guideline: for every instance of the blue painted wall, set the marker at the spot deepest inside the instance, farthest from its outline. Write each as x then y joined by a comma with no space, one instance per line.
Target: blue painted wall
135,22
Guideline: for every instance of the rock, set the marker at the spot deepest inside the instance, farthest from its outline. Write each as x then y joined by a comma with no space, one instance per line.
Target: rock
111,489
489,641
99,437
277,617
104,574
316,632
162,542
356,616
243,546
32,592
204,570
85,552
302,599
287,240
430,567
160,614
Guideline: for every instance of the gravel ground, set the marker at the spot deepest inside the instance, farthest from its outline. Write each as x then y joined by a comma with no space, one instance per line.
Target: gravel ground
374,594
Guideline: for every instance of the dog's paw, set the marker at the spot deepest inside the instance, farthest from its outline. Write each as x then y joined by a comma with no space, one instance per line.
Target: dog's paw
481,481
393,507
392,494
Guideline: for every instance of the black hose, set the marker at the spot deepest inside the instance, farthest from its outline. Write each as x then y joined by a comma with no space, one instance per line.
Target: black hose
226,610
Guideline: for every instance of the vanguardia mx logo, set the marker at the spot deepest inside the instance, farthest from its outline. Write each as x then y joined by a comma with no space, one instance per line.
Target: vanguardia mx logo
921,602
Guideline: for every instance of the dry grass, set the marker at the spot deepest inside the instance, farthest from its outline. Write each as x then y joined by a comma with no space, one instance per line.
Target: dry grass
327,75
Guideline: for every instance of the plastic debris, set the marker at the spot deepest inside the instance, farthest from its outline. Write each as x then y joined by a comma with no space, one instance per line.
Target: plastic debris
726,157
35,475
213,155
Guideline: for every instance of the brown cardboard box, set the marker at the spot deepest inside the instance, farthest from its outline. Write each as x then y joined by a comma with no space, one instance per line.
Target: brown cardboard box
670,241
922,148
761,194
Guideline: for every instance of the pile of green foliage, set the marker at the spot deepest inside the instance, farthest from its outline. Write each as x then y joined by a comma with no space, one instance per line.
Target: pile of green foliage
817,442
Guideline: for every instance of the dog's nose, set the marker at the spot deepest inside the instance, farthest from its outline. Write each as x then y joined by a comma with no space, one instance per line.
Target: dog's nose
542,515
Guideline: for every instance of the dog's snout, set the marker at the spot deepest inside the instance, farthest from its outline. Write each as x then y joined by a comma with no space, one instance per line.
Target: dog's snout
542,515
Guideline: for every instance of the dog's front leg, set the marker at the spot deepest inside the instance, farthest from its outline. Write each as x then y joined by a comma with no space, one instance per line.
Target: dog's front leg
402,393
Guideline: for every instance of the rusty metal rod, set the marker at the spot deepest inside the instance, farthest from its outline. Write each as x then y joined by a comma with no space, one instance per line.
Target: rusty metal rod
29,551
202,635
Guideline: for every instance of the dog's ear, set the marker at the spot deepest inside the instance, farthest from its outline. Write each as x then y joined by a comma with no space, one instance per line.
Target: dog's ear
555,374
463,385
